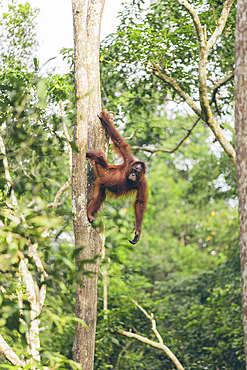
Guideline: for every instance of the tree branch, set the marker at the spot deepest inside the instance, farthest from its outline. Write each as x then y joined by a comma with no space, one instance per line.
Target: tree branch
221,24
66,133
196,20
32,252
60,192
68,182
152,151
221,83
205,112
7,173
8,352
151,318
157,71
159,345
131,135
32,334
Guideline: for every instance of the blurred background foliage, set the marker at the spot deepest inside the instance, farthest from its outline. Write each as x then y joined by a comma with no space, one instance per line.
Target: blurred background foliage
186,267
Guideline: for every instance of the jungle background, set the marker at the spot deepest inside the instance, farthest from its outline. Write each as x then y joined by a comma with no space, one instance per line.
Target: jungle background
186,269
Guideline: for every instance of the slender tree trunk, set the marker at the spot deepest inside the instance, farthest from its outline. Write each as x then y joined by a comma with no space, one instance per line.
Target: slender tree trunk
241,143
88,131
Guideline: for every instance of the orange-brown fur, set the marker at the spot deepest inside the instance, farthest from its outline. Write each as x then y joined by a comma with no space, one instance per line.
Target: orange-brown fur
116,178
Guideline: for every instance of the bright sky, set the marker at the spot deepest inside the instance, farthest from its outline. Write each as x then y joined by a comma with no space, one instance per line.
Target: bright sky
55,27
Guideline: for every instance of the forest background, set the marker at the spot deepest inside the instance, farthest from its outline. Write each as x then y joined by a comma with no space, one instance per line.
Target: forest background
186,268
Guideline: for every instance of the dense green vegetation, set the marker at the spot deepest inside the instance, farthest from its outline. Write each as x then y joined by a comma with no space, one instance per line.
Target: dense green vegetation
186,267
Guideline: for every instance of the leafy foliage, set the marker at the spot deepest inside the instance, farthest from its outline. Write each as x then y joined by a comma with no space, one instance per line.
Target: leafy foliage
18,35
186,268
164,34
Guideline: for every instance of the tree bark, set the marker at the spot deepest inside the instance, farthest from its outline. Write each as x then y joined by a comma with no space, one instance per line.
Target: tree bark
88,131
241,143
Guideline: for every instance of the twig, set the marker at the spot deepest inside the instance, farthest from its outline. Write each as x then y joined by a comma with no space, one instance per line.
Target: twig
131,135
151,318
66,133
221,83
48,61
60,192
159,345
155,150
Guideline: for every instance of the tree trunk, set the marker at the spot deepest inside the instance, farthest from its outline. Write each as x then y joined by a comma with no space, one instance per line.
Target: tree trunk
87,22
241,143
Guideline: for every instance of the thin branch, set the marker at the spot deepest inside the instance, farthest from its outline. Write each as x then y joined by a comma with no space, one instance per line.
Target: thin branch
48,205
221,83
48,61
196,20
221,24
66,133
60,192
155,150
8,352
32,252
151,318
68,182
7,173
157,71
131,135
159,345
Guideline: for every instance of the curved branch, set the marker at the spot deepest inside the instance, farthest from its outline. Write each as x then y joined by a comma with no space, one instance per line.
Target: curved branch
221,83
157,71
152,343
221,24
161,346
131,135
196,20
151,318
152,151
60,192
